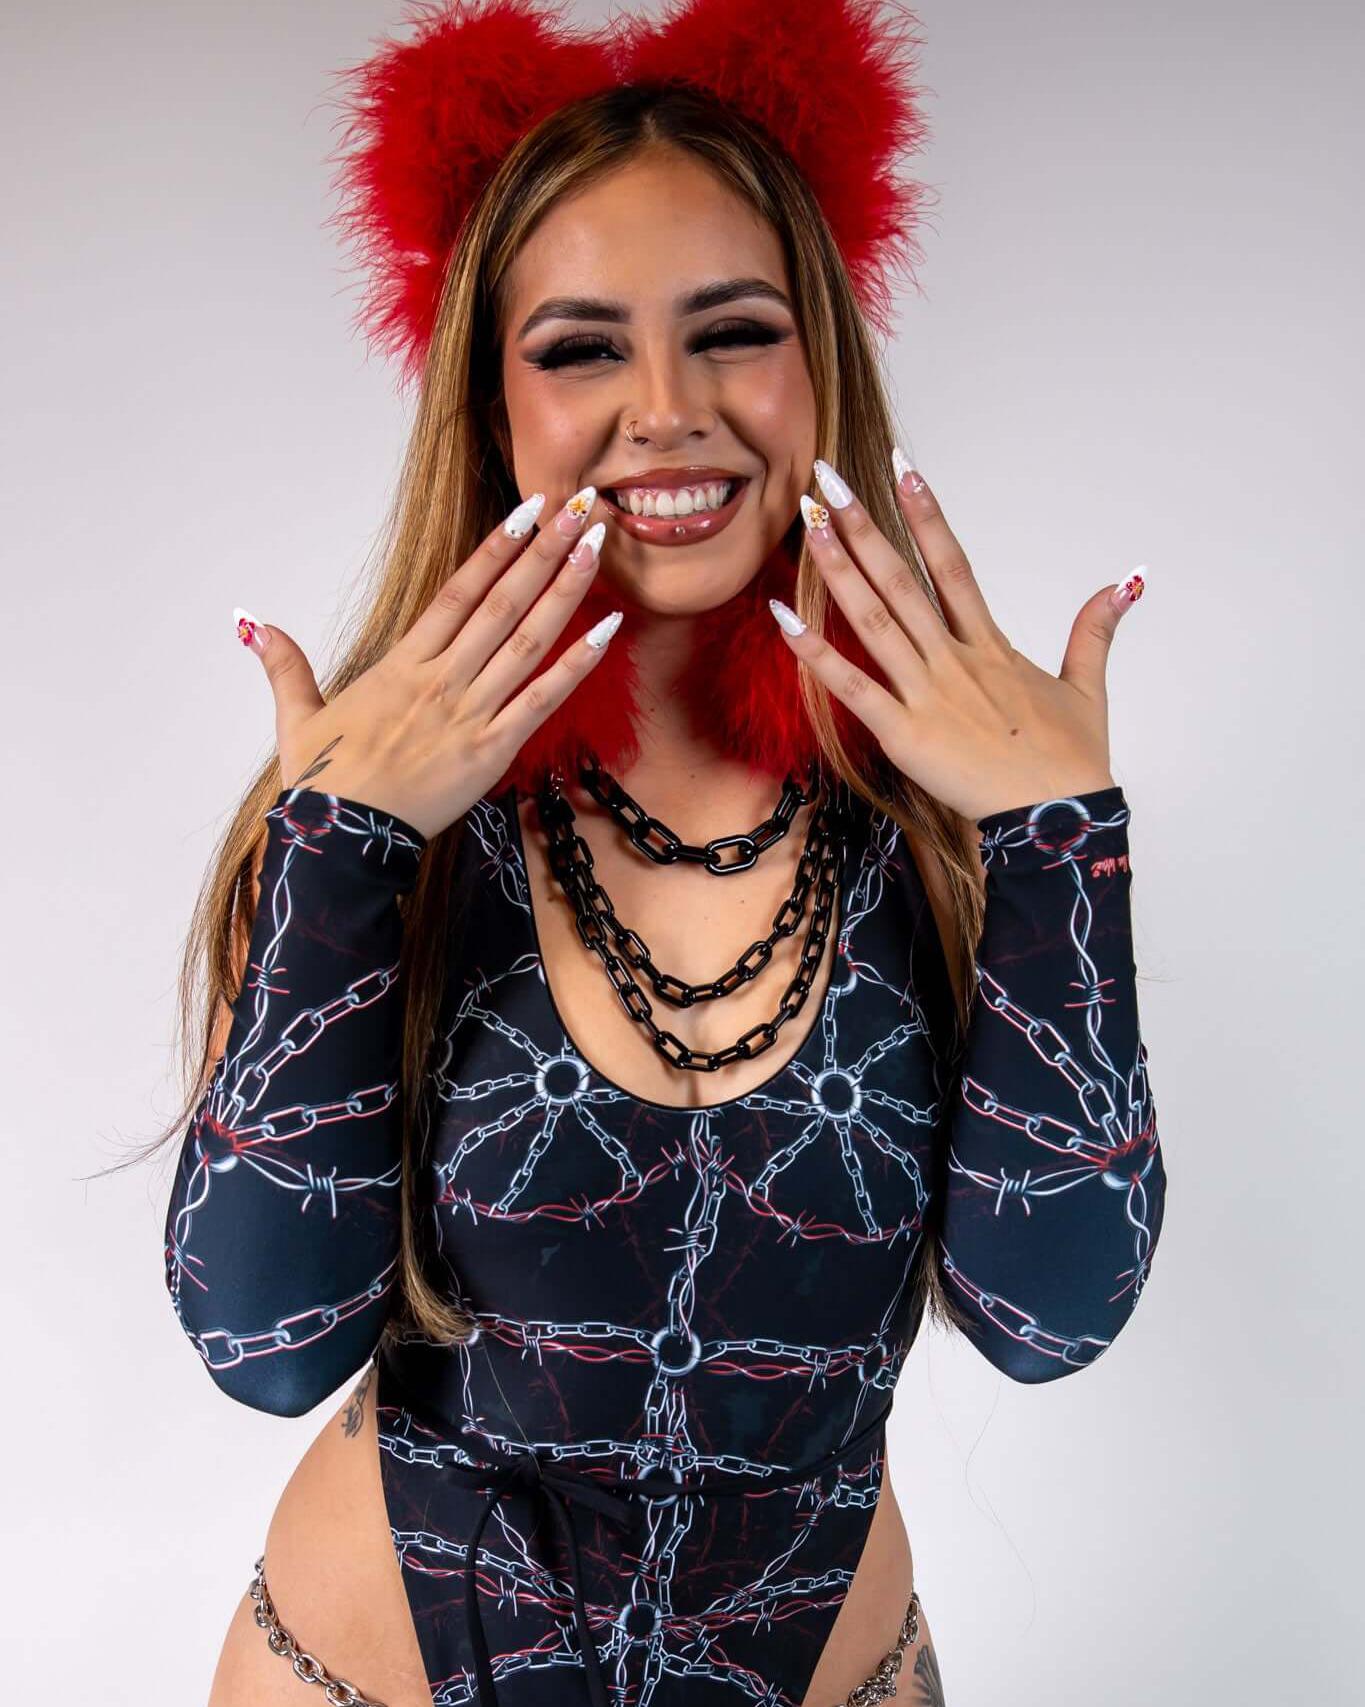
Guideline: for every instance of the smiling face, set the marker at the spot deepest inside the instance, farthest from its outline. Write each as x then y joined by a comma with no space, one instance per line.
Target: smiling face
691,344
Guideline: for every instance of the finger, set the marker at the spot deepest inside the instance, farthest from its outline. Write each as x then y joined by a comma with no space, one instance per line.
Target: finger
964,604
533,637
862,694
521,717
1092,633
506,601
459,595
880,633
883,566
287,670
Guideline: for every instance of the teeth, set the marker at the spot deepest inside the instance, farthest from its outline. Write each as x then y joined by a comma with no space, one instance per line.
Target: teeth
684,501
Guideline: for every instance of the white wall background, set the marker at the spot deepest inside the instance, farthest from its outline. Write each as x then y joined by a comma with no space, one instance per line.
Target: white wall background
1140,342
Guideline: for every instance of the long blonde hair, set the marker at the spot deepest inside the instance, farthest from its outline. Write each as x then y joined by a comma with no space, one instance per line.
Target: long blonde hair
454,487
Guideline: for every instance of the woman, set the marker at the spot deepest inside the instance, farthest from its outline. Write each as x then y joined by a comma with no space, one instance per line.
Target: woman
627,1300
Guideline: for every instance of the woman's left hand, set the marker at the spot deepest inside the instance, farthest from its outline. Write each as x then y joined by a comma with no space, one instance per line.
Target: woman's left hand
969,718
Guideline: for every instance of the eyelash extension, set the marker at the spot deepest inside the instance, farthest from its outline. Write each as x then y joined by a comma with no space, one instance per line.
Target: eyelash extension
562,354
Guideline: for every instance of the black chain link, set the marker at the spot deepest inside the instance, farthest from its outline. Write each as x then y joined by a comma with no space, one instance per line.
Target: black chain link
665,847
572,863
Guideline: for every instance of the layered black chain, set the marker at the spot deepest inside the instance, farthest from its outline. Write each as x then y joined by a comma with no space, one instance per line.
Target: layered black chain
664,847
818,871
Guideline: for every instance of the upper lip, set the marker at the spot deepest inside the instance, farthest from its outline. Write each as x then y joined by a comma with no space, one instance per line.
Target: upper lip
672,478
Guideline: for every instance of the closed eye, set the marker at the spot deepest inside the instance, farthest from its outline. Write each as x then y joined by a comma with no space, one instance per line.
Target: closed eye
585,347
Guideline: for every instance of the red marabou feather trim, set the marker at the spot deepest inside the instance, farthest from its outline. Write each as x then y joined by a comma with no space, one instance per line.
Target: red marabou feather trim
743,691
430,118
426,122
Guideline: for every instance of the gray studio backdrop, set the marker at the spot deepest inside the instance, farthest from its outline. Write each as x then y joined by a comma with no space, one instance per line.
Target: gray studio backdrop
1139,343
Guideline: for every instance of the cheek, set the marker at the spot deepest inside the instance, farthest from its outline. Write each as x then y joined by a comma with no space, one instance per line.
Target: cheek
776,411
547,430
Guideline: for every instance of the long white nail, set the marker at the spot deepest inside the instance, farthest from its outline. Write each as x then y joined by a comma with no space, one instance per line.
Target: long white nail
585,552
601,632
576,511
903,464
831,485
815,516
786,617
523,518
250,632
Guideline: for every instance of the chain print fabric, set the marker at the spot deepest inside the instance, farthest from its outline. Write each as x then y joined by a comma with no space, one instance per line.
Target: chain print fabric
282,1229
699,1292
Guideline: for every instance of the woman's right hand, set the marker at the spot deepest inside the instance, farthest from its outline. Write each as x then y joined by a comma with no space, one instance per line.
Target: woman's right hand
426,730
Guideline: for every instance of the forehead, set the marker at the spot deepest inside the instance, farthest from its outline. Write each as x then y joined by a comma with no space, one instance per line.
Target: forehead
644,233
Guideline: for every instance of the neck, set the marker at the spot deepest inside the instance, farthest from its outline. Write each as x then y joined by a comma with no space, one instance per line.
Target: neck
715,696
673,750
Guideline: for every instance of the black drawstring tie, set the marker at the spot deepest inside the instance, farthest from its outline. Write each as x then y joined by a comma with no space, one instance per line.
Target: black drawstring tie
529,1473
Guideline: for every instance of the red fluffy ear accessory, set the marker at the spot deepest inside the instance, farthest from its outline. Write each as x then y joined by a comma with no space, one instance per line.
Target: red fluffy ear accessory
430,119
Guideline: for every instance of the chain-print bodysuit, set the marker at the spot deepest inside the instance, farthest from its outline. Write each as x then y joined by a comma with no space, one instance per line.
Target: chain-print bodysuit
719,1293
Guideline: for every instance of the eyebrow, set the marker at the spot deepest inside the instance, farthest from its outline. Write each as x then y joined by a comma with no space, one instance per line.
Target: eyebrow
691,302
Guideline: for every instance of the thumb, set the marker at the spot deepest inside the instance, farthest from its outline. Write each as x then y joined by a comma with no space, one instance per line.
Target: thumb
287,670
1092,633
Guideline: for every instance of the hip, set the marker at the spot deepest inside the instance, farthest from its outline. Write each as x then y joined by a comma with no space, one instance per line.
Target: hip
337,1585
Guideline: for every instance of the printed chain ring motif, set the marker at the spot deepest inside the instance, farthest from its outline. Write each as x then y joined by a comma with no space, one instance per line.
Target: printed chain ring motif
878,1687
659,1287
544,1478
719,1289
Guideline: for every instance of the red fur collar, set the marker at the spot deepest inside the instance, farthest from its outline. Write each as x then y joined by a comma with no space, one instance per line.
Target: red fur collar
742,690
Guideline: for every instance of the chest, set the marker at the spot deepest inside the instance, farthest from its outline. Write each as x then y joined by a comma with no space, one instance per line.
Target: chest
696,928
789,1211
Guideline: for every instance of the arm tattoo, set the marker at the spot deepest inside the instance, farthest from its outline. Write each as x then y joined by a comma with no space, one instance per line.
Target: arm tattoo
320,763
354,1416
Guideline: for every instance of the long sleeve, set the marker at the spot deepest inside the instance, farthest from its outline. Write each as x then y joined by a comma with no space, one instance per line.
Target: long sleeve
282,1232
1055,1180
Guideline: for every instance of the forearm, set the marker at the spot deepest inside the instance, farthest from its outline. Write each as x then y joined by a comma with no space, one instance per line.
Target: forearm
1056,1183
282,1232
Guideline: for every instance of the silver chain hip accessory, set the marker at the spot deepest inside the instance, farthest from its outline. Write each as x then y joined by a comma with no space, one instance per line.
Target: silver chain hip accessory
878,1687
339,1693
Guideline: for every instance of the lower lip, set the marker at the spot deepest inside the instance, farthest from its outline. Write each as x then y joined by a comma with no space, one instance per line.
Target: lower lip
678,530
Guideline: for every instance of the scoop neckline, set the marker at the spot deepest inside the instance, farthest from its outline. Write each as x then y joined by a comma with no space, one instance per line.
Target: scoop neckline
809,1044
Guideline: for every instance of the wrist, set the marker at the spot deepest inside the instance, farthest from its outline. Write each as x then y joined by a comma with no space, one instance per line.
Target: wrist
348,834
1086,823
1023,799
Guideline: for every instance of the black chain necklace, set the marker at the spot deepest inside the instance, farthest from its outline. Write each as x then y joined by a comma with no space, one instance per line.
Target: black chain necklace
668,847
572,863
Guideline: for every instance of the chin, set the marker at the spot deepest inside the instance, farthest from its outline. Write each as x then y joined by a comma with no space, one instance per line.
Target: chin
676,582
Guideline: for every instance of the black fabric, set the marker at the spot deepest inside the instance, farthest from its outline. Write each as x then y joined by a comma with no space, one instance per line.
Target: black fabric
709,1293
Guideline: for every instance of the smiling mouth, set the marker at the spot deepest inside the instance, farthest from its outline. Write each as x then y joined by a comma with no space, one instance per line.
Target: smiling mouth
674,501
661,520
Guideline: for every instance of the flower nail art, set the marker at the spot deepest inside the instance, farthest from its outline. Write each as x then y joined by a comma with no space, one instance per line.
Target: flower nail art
576,510
250,632
815,516
1130,591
